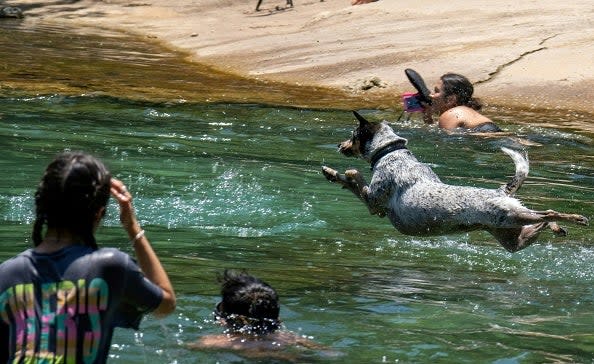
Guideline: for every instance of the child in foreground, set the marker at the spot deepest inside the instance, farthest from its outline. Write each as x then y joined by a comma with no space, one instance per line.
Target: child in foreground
61,300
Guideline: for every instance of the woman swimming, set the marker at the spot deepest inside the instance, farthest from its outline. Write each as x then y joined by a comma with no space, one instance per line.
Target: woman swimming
452,100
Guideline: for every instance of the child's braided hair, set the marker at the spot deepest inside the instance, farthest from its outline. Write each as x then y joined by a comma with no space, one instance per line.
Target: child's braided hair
74,187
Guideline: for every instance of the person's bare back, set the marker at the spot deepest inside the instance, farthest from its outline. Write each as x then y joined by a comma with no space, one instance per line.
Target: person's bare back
284,345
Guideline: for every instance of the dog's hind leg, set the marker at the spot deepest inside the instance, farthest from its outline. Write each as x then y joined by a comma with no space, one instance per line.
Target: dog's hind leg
557,230
522,167
515,239
550,216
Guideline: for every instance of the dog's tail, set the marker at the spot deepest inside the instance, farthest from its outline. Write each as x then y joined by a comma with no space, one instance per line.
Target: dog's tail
521,162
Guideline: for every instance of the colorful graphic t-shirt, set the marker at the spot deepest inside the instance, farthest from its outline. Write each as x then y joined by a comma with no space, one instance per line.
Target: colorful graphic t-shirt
63,307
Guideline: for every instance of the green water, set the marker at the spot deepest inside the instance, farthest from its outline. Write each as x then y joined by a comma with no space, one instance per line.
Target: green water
239,186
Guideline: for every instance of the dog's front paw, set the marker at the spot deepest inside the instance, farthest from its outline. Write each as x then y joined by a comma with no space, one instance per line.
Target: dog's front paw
330,174
351,173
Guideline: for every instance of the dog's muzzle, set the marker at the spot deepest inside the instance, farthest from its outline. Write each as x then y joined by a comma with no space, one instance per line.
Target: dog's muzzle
346,148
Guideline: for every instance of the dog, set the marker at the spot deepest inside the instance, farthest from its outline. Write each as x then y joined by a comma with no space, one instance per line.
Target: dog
418,203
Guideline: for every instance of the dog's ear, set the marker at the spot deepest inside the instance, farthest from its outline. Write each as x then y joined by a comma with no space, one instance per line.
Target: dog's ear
362,120
388,134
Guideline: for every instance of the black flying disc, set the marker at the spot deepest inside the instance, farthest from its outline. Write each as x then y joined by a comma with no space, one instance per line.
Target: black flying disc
417,81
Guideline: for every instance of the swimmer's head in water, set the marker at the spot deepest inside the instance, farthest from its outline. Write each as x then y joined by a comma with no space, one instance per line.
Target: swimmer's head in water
249,305
461,87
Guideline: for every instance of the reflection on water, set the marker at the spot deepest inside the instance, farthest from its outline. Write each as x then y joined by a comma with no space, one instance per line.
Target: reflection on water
239,186
54,59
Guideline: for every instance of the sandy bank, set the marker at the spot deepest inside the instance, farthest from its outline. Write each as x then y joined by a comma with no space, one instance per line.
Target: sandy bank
528,54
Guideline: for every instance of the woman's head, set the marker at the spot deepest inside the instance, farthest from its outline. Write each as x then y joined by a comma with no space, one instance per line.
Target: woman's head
249,305
73,191
457,90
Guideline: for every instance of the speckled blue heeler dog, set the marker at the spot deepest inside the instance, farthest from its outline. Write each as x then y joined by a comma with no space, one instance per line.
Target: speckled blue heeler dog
418,203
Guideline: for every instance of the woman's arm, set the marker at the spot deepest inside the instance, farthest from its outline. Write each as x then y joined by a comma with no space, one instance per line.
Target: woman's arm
147,259
427,113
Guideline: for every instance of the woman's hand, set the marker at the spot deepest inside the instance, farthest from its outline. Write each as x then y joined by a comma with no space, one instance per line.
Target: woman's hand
427,112
127,214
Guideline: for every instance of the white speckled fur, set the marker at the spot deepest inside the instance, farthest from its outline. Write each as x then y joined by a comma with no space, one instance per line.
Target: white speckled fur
418,203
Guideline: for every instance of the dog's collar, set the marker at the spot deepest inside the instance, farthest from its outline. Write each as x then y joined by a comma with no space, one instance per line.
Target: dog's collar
383,151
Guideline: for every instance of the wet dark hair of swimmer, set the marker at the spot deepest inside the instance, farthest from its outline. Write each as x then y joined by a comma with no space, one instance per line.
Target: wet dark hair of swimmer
249,305
461,87
73,188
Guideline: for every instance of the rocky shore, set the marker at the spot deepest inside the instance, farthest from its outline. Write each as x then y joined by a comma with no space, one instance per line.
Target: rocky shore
534,54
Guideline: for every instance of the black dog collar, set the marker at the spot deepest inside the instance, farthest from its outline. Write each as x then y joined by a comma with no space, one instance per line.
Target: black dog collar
383,152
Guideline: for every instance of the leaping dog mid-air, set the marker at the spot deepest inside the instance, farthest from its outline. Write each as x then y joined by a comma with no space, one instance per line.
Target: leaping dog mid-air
418,203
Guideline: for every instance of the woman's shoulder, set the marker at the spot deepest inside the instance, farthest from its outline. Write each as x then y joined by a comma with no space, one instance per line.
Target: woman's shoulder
102,258
462,116
112,255
14,264
462,111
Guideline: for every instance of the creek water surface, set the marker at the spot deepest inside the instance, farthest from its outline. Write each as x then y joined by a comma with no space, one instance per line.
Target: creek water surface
238,185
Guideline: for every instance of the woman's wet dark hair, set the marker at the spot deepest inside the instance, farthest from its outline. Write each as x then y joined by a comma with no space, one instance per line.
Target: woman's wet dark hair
72,190
455,84
249,305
